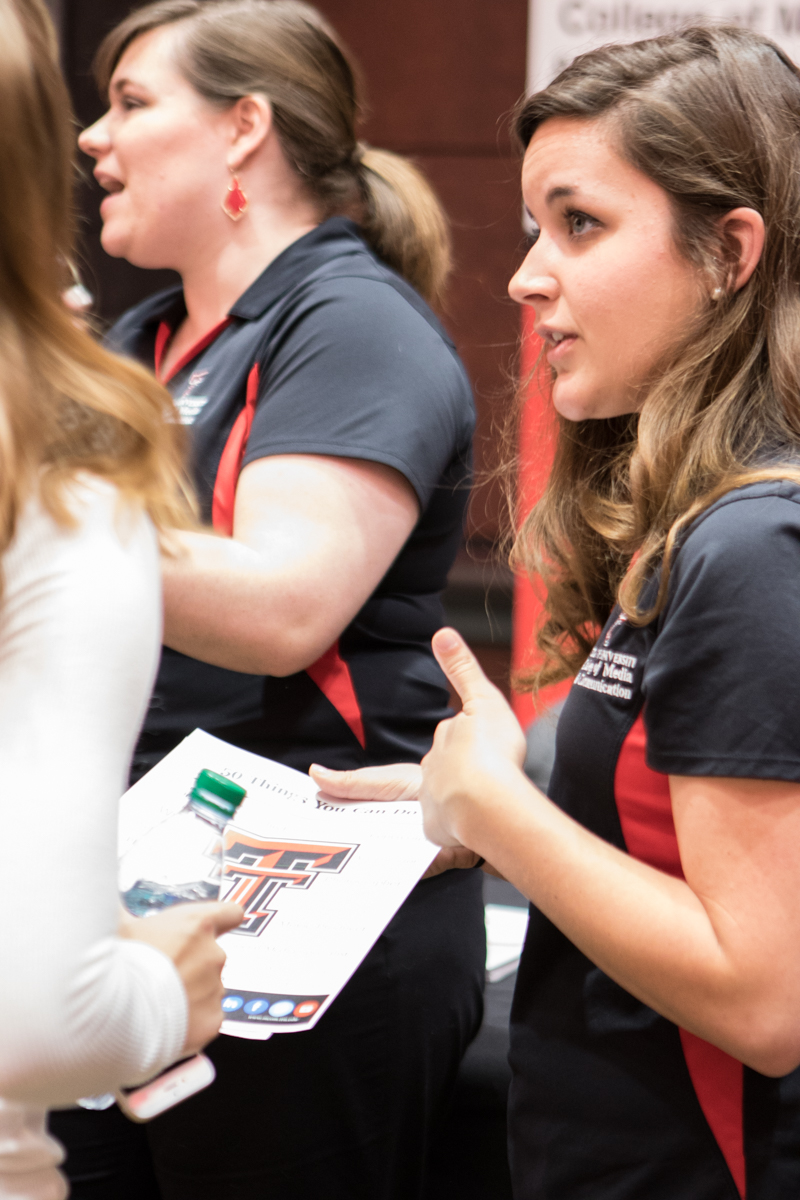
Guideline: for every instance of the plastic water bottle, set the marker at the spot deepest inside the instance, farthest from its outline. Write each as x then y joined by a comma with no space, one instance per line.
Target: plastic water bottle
181,859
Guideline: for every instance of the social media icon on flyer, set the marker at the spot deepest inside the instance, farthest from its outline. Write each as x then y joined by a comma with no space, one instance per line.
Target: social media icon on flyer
254,1007
281,1008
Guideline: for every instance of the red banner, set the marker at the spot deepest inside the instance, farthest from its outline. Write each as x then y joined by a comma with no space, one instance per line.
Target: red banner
537,440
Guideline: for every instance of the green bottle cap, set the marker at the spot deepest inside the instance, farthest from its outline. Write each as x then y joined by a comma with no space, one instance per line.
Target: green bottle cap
214,791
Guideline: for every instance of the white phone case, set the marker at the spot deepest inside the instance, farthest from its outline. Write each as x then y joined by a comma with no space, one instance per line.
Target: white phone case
167,1089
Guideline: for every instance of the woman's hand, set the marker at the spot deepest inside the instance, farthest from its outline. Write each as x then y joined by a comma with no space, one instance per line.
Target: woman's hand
398,782
478,748
188,935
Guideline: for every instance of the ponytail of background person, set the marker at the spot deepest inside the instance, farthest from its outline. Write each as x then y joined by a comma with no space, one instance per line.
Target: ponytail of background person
286,51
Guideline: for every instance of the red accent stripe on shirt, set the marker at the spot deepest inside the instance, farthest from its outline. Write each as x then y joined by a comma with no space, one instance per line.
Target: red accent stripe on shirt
230,463
332,676
644,805
162,340
719,1083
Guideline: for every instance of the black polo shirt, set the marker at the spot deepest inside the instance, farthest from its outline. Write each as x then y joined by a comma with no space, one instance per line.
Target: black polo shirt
329,352
610,1100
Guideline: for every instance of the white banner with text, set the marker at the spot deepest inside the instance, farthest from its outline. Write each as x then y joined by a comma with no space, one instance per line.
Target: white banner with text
560,29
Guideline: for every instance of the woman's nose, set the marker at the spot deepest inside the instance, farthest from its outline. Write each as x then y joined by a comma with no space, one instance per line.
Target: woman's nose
533,281
95,140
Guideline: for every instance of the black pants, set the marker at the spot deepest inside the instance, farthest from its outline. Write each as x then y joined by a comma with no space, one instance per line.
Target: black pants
345,1110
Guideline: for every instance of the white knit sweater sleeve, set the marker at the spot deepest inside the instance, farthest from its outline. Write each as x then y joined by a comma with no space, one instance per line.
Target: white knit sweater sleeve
81,1011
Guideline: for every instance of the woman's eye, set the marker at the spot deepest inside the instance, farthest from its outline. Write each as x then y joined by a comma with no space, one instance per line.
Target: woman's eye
529,228
129,102
580,222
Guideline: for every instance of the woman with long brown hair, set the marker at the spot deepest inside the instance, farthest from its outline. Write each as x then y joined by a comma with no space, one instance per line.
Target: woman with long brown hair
655,1027
90,472
330,423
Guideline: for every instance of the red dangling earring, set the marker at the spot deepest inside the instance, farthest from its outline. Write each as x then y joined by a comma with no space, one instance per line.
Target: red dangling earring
234,203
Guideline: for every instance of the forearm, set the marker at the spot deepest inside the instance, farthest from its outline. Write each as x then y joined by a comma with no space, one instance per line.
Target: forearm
648,931
226,605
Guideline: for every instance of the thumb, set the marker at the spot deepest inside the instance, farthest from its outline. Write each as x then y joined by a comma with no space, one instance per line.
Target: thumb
461,666
400,781
225,916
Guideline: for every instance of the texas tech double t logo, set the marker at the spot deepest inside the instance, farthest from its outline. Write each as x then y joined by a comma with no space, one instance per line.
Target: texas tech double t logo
260,867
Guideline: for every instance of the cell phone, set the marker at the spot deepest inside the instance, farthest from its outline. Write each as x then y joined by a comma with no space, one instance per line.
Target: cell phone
174,1084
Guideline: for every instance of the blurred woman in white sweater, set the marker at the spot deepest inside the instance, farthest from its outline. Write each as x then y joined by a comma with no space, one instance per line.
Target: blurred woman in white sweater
90,473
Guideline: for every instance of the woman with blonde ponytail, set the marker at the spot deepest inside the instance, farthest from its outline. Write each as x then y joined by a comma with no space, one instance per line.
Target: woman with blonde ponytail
330,423
90,475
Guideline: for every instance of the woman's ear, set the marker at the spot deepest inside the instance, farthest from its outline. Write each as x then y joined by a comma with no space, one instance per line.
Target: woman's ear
251,125
742,235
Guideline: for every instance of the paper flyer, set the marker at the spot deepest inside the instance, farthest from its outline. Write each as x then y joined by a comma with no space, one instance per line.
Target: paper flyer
319,879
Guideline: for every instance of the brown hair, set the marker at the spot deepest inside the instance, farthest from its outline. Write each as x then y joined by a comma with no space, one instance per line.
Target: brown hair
285,50
712,115
66,404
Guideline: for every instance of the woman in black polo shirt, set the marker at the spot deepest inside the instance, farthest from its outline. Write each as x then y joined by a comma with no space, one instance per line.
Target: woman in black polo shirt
656,1021
330,423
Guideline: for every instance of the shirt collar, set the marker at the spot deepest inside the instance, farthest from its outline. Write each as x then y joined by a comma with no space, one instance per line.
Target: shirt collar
334,238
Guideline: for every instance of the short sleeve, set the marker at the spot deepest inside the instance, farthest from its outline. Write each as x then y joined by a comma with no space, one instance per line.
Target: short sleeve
358,372
722,681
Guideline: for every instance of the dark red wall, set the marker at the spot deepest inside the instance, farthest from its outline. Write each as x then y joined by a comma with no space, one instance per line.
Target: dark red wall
441,77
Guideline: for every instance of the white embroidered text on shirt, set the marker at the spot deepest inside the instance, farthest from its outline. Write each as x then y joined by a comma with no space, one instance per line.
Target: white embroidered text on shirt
607,671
